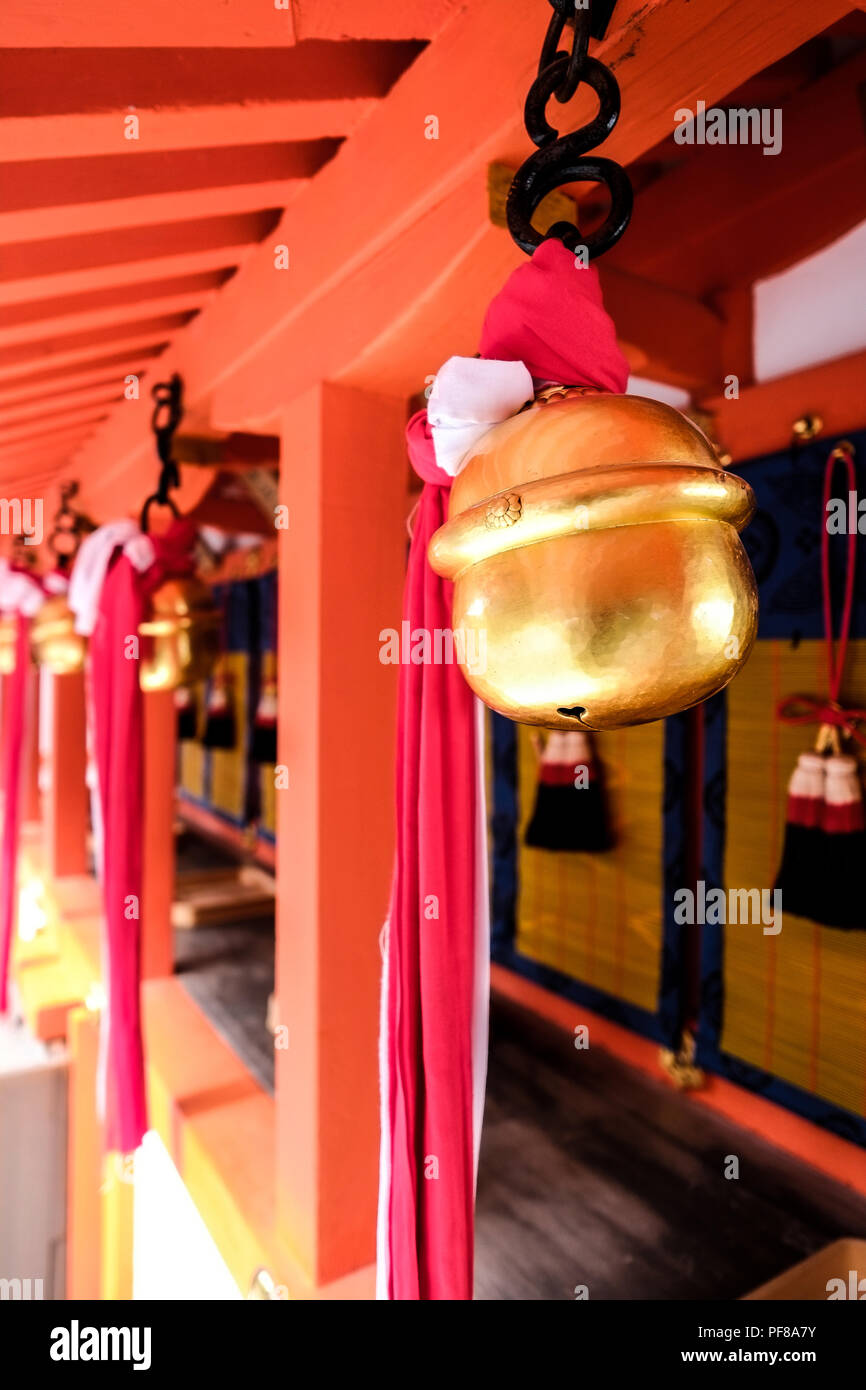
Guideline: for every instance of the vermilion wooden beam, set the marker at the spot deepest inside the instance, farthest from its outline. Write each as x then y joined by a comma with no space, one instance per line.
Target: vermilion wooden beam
246,338
137,340
78,219
86,320
165,24
46,406
37,388
731,215
113,275
341,573
233,24
31,259
31,429
85,134
387,19
761,420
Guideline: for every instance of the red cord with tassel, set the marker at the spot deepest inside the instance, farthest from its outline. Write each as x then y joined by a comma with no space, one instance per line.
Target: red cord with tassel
825,841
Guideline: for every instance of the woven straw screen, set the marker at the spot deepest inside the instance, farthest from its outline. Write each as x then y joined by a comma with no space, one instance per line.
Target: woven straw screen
598,917
794,1004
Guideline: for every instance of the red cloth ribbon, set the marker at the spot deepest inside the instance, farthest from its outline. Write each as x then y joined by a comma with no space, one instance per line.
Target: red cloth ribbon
116,711
806,709
550,316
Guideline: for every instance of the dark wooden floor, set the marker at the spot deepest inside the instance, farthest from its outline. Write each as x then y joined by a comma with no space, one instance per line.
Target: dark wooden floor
594,1174
229,971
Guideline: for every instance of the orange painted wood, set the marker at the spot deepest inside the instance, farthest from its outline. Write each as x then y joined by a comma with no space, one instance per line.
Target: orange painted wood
115,214
165,24
731,215
85,319
66,812
387,19
219,1128
737,308
760,422
341,567
82,135
233,24
825,1151
84,1170
158,865
47,407
666,336
30,429
248,338
209,824
29,289
138,338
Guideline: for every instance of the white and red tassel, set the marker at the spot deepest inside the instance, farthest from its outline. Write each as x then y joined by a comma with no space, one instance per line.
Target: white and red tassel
264,742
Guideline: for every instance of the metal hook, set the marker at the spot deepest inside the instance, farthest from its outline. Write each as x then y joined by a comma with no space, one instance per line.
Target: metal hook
561,160
167,415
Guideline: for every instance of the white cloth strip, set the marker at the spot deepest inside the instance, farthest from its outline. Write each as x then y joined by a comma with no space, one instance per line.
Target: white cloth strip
468,397
481,991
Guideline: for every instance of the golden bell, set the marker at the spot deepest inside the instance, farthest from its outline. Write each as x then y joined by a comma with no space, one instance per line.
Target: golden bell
184,628
56,645
8,645
598,575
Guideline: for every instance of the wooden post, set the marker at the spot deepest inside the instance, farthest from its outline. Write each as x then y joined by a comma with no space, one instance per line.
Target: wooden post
117,1221
65,801
84,1179
160,752
343,479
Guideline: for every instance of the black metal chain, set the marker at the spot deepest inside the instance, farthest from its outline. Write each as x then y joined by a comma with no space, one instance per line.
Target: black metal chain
167,415
67,529
561,159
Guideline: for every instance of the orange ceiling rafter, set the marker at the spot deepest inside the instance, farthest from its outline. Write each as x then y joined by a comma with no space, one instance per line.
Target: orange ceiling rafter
231,24
390,244
143,155
760,213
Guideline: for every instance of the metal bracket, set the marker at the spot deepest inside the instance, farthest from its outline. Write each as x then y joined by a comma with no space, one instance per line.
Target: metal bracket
602,13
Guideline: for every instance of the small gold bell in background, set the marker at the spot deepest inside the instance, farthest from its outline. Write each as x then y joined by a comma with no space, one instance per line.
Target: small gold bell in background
8,645
56,645
598,575
184,626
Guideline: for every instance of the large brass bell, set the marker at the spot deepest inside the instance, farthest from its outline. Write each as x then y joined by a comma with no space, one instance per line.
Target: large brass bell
56,645
599,578
183,632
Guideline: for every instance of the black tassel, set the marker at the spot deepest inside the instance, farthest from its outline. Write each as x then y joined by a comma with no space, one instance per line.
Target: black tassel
570,807
220,730
264,742
187,722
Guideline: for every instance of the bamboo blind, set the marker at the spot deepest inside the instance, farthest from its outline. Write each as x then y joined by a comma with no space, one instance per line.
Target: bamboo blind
794,1004
598,917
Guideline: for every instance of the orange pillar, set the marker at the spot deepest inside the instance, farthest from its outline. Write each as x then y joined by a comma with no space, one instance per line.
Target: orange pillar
65,801
343,480
160,753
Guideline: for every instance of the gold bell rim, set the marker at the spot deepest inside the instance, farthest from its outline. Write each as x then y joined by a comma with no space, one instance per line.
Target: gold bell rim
592,499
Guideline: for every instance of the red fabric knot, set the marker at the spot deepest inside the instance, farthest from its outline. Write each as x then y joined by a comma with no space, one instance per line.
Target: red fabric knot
550,315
